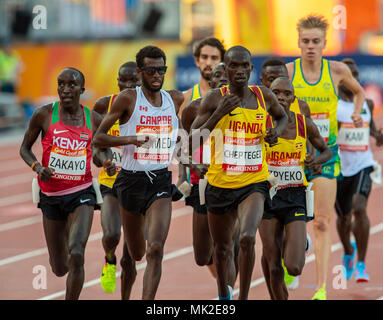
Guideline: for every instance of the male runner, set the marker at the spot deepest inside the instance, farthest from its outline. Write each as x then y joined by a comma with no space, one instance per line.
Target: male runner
202,241
283,228
207,54
237,177
273,68
67,198
146,115
316,81
354,183
110,211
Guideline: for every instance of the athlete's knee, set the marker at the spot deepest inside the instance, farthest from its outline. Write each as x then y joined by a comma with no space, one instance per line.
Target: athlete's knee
111,240
60,269
321,223
155,251
359,211
128,265
202,259
246,241
276,271
76,260
223,251
293,268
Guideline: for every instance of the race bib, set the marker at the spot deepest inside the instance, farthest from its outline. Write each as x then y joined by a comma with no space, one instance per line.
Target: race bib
242,154
353,139
288,172
68,164
322,121
117,157
160,151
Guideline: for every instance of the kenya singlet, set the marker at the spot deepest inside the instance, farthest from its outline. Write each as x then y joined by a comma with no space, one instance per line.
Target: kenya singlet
103,177
285,160
321,98
161,122
67,150
238,156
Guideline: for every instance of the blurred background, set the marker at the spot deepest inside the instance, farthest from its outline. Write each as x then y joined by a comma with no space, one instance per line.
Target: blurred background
41,37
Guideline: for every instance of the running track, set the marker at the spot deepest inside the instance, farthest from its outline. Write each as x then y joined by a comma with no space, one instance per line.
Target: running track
22,248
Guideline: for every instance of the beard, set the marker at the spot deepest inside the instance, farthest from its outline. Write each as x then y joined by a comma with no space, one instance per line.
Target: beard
206,75
147,86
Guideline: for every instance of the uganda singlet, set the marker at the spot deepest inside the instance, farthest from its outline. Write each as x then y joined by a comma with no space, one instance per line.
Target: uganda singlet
238,156
103,177
161,122
67,150
285,160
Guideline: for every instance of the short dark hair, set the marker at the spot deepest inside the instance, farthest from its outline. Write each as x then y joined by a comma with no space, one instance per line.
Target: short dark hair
272,62
129,64
149,52
238,49
80,73
349,61
212,42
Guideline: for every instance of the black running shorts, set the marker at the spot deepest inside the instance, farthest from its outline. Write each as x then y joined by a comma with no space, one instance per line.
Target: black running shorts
106,190
220,200
59,207
136,191
193,200
359,183
288,205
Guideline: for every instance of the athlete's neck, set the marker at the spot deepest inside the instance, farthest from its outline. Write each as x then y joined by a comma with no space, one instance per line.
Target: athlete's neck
204,86
71,109
154,97
238,91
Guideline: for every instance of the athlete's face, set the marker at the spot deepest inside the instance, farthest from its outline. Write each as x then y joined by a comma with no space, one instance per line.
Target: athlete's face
311,42
284,91
238,68
218,77
207,60
69,87
270,73
152,73
128,78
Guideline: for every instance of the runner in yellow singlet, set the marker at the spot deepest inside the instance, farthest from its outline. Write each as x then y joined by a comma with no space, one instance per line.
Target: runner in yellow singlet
316,81
283,227
110,211
237,177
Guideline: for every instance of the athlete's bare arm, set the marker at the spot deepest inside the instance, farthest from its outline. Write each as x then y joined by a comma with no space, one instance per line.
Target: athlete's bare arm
319,144
178,99
190,113
277,113
101,105
374,132
39,123
121,109
304,107
342,76
290,69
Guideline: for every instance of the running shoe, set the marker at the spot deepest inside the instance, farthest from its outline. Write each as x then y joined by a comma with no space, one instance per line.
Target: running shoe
290,281
230,295
320,294
348,263
361,274
108,277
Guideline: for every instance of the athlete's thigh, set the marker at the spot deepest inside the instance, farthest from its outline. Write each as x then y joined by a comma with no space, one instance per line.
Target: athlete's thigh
56,236
110,215
80,224
271,233
324,195
295,240
250,212
134,227
222,226
158,218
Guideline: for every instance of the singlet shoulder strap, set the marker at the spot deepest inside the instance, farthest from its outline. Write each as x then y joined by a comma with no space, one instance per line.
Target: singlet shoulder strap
301,127
111,100
55,112
269,122
88,117
224,90
259,95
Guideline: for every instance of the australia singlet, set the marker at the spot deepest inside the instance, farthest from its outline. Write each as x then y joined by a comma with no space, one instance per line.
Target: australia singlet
321,98
161,122
103,177
285,160
238,156
354,143
67,150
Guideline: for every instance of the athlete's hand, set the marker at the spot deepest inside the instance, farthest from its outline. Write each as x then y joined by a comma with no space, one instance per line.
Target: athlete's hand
357,119
379,138
45,173
199,169
145,140
109,167
227,104
311,163
271,136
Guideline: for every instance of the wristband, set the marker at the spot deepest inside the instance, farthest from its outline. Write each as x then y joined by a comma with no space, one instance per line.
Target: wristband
34,164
